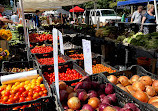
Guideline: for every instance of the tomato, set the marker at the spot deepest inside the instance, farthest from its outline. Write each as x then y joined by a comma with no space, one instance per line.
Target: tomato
43,88
41,93
13,91
5,98
29,98
45,91
7,93
44,95
21,99
1,89
24,94
35,96
16,98
18,94
30,93
11,96
22,89
11,100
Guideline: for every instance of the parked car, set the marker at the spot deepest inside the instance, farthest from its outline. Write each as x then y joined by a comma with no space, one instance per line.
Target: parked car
103,15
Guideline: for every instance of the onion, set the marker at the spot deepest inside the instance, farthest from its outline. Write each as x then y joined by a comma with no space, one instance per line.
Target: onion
95,85
123,88
87,107
117,108
102,86
150,91
94,102
124,80
138,86
86,85
119,85
124,109
106,100
102,106
108,108
155,85
100,92
153,99
82,96
112,79
102,97
130,89
134,78
112,97
131,106
63,95
155,104
62,85
141,96
69,89
92,93
74,103
73,94
146,80
79,90
109,89
78,86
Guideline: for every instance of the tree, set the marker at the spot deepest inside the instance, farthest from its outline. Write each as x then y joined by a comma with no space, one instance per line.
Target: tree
114,4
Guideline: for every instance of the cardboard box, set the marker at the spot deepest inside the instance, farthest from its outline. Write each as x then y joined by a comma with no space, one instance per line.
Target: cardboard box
4,44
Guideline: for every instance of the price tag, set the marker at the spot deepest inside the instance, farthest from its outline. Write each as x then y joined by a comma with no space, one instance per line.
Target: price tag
61,43
55,55
87,56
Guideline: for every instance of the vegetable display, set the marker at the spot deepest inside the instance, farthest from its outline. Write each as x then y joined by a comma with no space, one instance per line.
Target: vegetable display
42,49
90,96
143,88
18,69
77,56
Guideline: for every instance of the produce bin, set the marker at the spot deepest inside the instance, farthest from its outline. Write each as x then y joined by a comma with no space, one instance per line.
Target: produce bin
122,98
40,104
134,70
63,69
6,65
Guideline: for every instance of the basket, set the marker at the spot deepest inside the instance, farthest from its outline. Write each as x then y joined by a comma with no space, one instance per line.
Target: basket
135,70
122,97
63,68
41,104
6,65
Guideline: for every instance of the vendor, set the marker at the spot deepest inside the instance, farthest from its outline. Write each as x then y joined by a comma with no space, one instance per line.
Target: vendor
36,18
150,20
3,20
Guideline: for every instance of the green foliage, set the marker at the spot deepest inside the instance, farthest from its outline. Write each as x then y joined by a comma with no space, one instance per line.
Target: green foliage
114,4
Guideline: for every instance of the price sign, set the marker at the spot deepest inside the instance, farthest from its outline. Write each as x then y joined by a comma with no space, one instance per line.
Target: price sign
55,55
87,56
61,43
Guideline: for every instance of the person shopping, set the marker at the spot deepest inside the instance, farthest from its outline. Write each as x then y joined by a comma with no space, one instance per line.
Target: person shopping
137,16
149,20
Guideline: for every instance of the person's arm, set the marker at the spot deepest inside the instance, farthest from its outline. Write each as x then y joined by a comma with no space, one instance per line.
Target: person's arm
5,20
143,21
132,18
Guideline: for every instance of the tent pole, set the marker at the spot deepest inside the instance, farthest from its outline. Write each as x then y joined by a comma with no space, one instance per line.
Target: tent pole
95,18
73,13
23,20
155,4
132,9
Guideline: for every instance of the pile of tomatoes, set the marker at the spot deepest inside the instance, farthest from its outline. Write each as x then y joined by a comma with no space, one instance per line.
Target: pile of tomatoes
77,56
50,61
69,75
98,68
42,49
40,37
22,91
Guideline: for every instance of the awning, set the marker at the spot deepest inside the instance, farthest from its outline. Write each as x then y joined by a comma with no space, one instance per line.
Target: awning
76,9
49,4
131,2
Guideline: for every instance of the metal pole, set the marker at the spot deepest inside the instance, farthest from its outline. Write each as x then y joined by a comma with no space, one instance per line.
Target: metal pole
73,13
14,6
23,20
155,4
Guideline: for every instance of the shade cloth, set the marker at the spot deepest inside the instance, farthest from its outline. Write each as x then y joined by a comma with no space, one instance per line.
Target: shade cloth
76,9
30,5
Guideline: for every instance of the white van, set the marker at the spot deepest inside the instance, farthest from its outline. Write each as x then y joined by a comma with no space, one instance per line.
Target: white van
103,15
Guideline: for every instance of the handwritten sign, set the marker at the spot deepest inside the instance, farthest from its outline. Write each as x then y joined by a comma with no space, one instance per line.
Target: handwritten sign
61,43
55,55
87,56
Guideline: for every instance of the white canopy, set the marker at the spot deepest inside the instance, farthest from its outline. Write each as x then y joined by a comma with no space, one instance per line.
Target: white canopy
30,5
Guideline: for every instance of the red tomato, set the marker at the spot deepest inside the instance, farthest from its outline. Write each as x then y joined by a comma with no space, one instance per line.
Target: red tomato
22,99
35,96
5,98
7,93
30,93
16,98
22,89
44,95
41,93
11,100
24,94
29,98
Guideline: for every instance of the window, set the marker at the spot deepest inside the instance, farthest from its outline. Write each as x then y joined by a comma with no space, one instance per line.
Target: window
92,13
108,13
98,13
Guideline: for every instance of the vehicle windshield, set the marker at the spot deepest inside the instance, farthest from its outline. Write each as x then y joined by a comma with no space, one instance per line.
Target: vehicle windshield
108,13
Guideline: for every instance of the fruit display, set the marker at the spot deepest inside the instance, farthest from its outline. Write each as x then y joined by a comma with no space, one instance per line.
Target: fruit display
5,34
91,96
50,61
69,75
98,68
40,37
76,56
22,91
18,69
42,49
143,88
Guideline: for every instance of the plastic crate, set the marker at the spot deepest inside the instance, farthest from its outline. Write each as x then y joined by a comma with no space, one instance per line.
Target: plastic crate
122,97
40,104
135,70
63,68
18,64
